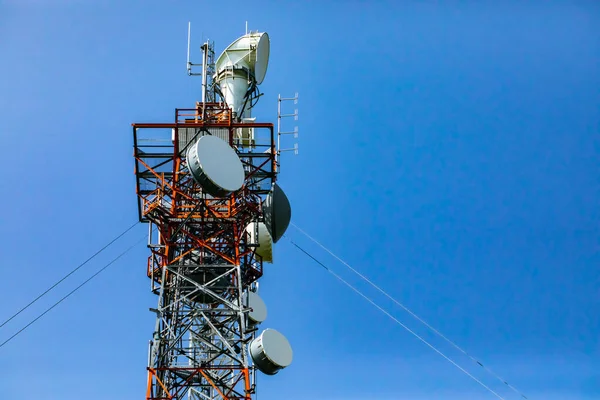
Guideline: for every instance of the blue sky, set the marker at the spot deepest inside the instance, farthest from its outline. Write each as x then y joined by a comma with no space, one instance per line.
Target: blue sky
449,152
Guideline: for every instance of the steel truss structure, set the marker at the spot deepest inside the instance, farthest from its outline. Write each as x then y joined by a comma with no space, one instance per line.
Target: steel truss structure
202,264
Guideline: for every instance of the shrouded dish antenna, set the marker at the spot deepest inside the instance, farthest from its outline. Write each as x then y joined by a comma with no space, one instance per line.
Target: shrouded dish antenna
271,352
277,211
215,166
241,67
259,235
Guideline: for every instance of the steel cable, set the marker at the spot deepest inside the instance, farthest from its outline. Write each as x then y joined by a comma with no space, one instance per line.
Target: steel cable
396,320
489,371
72,291
69,274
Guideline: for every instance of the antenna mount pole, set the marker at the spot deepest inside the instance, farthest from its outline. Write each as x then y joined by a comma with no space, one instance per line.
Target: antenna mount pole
189,64
204,77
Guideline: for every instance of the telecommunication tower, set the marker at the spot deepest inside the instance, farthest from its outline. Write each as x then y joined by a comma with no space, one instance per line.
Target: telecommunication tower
206,186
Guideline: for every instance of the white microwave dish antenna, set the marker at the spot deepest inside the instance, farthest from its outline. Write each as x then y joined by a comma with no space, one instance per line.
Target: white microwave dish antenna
215,166
241,67
249,52
271,352
259,234
257,306
258,312
277,212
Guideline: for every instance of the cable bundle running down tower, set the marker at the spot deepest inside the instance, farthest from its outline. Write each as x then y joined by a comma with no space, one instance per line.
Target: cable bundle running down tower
206,182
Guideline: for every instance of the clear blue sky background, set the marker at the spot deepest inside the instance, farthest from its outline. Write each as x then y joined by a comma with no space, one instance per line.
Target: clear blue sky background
450,152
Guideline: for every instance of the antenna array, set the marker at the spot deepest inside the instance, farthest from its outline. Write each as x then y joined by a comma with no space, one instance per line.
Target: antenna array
280,117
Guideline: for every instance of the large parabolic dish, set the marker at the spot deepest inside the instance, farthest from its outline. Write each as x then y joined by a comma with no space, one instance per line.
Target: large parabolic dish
215,166
277,211
262,58
250,51
242,65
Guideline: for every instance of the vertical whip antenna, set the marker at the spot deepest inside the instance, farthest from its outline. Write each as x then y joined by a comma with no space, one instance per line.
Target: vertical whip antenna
189,64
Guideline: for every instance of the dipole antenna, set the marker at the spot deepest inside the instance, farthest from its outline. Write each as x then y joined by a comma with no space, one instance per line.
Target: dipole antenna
280,116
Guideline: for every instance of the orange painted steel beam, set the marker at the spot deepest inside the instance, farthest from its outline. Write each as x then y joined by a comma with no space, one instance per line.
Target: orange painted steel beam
171,125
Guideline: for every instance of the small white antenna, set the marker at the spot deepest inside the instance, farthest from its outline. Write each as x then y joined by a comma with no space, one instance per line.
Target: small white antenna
189,65
205,55
246,27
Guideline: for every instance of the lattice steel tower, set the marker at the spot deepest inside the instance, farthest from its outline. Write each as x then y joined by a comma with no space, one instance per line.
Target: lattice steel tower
206,187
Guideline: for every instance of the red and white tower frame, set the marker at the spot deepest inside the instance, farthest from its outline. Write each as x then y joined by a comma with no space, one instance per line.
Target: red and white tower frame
205,243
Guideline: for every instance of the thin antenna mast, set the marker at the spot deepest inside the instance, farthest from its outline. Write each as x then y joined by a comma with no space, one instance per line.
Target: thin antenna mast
189,64
204,75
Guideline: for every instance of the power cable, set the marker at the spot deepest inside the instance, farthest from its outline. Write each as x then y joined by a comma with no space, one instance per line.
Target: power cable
489,371
72,291
432,347
69,274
